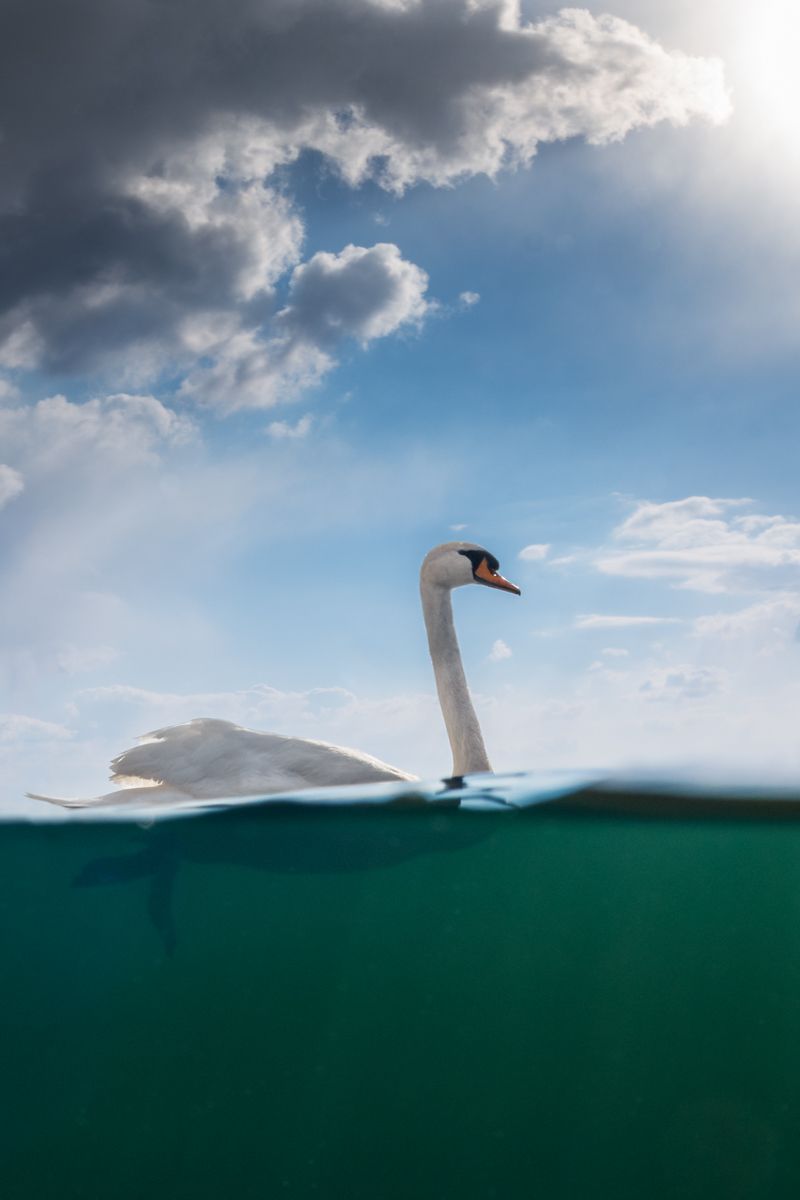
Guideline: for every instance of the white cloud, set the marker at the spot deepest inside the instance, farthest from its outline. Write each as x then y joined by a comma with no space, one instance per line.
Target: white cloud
14,727
53,431
21,346
734,717
360,292
695,521
281,430
11,484
535,552
607,621
74,660
499,651
259,705
774,620
217,187
469,299
682,682
722,690
702,544
248,372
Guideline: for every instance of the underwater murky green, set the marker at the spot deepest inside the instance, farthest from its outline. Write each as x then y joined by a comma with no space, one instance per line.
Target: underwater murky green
395,1004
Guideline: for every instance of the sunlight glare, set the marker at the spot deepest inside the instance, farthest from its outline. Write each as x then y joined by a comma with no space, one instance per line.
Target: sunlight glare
768,54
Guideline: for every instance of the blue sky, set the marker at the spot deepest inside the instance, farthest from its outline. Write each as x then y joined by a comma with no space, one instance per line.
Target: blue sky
228,440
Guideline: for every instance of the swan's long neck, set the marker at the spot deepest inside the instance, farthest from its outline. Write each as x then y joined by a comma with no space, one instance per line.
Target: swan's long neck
460,718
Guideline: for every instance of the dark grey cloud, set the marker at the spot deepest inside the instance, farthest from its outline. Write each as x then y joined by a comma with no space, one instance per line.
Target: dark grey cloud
361,293
137,136
109,271
90,86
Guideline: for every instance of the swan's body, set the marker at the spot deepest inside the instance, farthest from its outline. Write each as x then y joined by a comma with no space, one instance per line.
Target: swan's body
208,759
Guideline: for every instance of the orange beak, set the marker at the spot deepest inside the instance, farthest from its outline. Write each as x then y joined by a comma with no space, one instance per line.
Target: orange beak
493,579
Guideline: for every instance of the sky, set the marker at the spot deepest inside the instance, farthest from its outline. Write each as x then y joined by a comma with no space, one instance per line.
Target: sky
292,292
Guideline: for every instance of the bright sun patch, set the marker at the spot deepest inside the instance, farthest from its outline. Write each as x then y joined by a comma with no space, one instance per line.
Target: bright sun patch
767,53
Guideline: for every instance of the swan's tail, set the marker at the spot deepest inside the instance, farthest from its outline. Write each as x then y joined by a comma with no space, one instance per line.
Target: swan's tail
64,801
164,754
147,796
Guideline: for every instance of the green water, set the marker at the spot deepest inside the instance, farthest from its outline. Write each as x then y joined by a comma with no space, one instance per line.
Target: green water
397,1004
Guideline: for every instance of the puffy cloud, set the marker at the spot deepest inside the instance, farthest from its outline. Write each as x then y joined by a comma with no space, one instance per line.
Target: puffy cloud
499,651
702,544
361,293
49,434
11,484
534,552
695,521
608,621
469,299
158,226
249,371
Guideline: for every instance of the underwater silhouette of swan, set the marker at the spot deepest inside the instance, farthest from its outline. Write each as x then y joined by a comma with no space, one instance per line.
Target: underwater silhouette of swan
209,759
284,838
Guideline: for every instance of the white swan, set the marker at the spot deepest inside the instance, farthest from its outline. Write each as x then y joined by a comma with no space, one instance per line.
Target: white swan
208,759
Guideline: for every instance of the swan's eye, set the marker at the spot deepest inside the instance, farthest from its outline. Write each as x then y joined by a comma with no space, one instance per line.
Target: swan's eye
485,566
486,570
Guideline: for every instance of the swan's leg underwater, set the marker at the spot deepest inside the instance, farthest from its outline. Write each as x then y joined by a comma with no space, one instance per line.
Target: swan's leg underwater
157,862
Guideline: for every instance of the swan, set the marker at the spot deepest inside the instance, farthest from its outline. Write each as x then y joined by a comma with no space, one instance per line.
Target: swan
208,759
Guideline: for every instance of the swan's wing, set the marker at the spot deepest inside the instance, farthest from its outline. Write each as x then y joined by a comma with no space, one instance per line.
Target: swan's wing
207,759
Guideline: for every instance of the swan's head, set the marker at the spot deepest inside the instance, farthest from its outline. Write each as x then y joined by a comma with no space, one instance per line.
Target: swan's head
453,564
